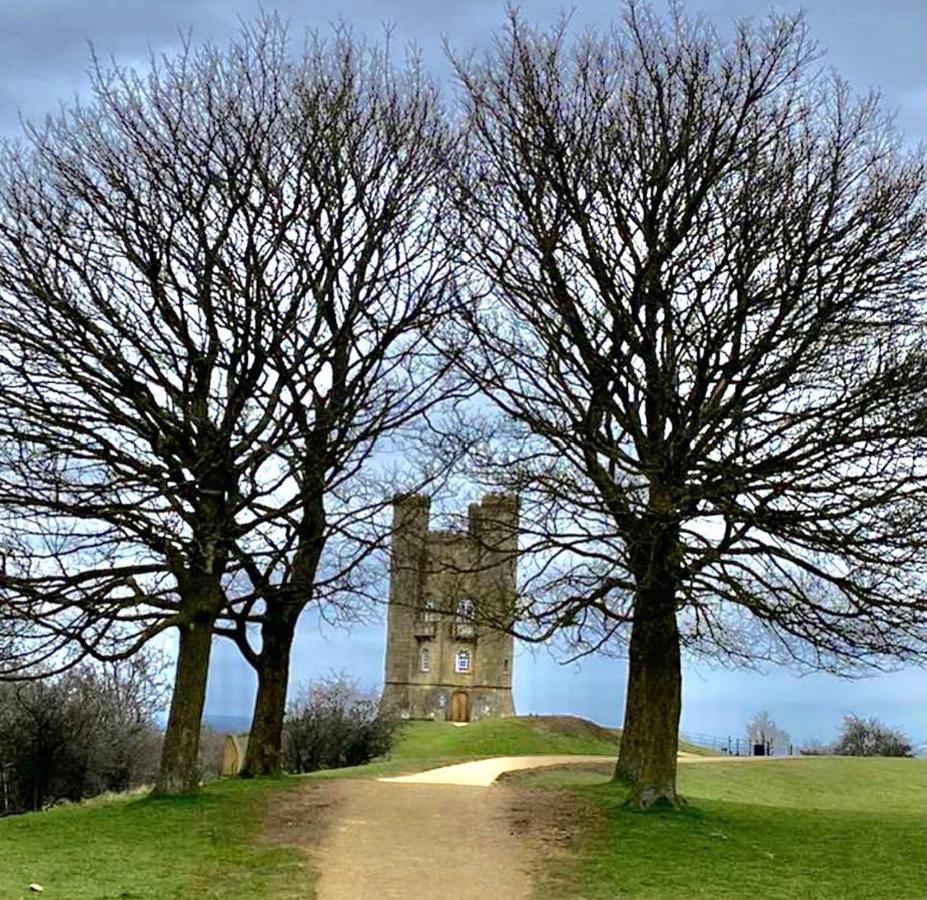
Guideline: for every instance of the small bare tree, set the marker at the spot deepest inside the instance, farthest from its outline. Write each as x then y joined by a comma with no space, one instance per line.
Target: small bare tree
762,729
698,271
869,737
334,723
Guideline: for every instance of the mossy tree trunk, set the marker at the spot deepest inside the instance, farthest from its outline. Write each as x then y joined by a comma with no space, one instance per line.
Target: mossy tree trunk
264,755
179,769
649,742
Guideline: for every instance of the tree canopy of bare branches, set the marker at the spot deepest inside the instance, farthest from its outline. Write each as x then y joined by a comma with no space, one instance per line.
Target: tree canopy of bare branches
697,293
363,367
215,279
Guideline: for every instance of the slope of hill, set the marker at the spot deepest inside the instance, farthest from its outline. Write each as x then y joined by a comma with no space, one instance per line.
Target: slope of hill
819,828
211,843
516,736
152,848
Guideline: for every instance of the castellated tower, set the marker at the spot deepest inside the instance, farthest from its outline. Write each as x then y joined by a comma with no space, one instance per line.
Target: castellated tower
443,660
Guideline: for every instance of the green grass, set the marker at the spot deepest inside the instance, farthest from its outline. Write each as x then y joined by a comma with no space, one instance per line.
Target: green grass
518,736
428,745
208,845
140,847
812,828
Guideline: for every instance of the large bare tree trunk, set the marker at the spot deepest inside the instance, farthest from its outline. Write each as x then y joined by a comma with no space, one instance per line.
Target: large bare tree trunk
649,742
179,772
264,755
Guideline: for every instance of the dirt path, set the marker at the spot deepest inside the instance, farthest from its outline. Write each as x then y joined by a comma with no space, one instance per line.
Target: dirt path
444,834
483,772
403,841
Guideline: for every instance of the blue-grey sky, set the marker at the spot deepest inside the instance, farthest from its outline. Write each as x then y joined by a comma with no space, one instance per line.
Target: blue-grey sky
43,61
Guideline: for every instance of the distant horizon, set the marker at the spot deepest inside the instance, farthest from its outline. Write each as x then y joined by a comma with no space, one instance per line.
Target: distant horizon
716,701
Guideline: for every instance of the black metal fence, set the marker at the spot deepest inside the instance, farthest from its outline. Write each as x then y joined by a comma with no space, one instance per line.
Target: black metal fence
734,746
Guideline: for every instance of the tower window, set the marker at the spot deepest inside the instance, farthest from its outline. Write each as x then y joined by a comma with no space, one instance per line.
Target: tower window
462,663
505,666
425,659
465,608
429,611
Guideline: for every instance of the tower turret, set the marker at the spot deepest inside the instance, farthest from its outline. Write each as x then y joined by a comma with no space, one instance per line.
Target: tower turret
407,566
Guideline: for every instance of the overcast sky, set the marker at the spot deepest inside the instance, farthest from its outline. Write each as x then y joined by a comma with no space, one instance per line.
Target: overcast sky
44,43
43,62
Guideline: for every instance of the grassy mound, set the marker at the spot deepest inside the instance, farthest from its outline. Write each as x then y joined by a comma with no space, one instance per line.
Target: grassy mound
517,736
813,828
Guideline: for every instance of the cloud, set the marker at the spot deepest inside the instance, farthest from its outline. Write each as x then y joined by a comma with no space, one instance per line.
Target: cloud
44,43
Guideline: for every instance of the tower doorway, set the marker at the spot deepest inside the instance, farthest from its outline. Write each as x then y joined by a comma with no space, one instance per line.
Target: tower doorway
460,706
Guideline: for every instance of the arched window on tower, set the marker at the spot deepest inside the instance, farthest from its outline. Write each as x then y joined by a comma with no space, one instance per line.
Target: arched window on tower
424,658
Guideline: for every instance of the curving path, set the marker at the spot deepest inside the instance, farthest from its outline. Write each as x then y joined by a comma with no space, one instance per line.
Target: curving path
483,772
430,835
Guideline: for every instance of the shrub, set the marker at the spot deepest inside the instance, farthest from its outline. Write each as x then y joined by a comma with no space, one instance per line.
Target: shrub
78,734
869,737
816,748
334,724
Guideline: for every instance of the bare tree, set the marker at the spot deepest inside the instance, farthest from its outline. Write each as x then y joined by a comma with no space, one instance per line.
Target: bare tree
762,729
334,723
380,264
697,292
197,270
79,733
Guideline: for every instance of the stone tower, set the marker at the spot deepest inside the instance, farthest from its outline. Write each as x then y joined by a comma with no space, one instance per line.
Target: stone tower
443,661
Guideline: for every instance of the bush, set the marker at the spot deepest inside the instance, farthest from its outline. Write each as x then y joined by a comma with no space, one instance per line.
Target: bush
78,734
869,737
816,748
334,724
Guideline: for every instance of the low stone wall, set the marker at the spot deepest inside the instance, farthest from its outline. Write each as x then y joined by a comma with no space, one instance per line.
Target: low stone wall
233,754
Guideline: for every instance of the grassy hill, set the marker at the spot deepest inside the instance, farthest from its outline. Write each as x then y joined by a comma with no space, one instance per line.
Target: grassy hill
811,828
517,736
821,828
137,847
151,849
